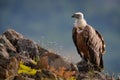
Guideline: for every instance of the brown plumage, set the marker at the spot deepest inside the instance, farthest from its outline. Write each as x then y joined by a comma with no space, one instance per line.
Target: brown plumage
88,41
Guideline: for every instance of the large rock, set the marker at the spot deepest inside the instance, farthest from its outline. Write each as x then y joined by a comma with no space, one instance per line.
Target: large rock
13,36
48,60
6,47
86,71
27,47
3,51
8,68
15,42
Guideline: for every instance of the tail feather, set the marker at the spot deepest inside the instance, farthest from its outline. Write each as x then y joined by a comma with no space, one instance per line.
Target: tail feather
100,66
101,62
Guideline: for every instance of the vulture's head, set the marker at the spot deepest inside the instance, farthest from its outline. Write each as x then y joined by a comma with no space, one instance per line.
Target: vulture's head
78,15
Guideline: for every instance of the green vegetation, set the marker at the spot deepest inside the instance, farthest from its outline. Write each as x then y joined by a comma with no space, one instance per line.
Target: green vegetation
61,74
53,74
26,70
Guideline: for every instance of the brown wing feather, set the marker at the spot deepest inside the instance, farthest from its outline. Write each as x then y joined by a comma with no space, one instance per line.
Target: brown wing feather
94,42
103,43
74,36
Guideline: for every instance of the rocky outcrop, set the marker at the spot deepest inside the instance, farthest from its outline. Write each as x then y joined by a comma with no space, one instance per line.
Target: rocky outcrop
16,49
23,45
13,48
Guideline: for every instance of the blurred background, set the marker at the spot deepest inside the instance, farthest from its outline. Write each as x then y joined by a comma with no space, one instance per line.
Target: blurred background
49,23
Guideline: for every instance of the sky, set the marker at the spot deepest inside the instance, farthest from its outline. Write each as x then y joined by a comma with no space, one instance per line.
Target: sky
50,24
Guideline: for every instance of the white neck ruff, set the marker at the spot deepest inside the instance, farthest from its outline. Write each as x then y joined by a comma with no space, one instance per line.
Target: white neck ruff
80,23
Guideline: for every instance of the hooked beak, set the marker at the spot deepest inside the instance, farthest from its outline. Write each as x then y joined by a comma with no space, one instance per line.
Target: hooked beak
73,16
